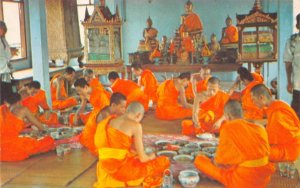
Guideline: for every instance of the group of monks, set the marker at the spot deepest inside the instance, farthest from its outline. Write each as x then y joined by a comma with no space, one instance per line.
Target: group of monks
270,129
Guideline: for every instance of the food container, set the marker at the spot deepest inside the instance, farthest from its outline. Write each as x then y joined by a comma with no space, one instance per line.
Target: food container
188,178
183,158
167,153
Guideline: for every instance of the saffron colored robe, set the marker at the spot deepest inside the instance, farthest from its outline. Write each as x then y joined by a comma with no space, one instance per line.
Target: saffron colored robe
98,99
60,104
95,83
201,85
211,110
132,92
168,107
150,84
192,22
243,159
257,77
118,166
251,111
16,148
284,132
231,35
39,100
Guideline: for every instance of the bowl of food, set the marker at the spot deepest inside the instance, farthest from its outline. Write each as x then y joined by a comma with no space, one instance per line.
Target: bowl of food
188,178
196,153
167,153
183,158
182,142
205,136
162,143
210,150
192,146
204,144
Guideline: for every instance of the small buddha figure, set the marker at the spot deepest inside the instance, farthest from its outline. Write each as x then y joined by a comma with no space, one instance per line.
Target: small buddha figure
164,47
188,46
190,21
230,33
150,34
214,45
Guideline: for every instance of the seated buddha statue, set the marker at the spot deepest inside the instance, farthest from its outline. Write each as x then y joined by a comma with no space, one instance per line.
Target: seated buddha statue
230,33
190,21
150,34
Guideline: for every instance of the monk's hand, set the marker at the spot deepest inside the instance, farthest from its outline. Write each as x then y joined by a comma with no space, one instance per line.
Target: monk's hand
152,156
290,87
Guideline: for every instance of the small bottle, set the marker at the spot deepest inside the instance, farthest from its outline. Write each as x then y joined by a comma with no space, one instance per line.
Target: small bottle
167,179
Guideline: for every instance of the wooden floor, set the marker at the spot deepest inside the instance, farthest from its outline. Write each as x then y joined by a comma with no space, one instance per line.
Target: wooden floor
78,168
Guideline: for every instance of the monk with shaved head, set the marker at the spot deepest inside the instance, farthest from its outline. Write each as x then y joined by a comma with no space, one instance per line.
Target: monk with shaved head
119,165
283,125
240,161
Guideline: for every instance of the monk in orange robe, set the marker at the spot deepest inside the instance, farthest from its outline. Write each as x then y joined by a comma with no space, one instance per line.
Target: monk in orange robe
230,34
257,77
95,95
60,99
114,139
12,146
251,111
198,83
116,107
207,111
146,80
242,156
169,92
190,21
283,125
36,100
128,88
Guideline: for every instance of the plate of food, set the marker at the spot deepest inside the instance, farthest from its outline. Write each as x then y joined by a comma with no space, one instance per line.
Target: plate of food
205,136
162,143
183,158
167,153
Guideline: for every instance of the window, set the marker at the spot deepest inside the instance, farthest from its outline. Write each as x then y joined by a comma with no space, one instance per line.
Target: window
12,12
82,5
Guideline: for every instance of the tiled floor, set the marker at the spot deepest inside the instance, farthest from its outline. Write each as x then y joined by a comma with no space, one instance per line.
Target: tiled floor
78,168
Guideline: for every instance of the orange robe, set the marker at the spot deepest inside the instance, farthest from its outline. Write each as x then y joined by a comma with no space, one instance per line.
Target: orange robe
192,22
150,84
189,93
243,150
60,104
231,35
95,83
201,85
188,44
13,147
210,111
39,100
132,92
98,99
168,107
257,77
116,159
284,132
251,111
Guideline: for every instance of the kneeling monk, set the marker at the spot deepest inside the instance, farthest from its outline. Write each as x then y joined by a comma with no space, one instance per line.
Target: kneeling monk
119,165
242,154
12,146
283,125
169,92
207,111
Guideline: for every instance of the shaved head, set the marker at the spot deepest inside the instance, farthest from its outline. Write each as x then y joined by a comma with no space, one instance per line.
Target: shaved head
233,108
214,80
135,108
261,90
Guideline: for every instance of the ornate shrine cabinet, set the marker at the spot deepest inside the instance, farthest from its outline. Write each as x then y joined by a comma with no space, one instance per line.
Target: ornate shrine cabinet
257,36
103,41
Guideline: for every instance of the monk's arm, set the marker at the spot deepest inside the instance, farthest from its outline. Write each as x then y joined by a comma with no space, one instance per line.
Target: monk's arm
194,82
57,85
289,70
138,142
196,110
80,109
182,99
234,86
33,119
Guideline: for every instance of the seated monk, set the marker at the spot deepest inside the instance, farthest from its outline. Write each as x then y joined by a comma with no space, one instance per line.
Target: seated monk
60,99
171,103
116,107
198,82
251,111
283,126
146,80
214,45
128,88
114,139
94,95
93,81
12,122
230,33
36,100
242,155
190,20
207,110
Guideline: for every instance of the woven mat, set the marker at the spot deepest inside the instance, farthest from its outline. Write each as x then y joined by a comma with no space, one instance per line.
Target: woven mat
276,181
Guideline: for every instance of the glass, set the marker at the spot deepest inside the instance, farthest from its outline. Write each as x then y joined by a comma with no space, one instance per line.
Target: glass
14,18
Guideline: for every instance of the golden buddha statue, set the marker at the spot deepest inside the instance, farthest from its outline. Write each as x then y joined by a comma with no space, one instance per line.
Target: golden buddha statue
230,33
150,34
190,21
